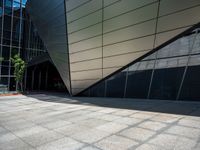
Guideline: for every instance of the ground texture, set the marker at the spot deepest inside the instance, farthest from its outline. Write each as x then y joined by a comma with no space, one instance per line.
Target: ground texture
57,122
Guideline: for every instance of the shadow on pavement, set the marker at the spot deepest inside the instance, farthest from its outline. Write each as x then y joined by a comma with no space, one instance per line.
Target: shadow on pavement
162,106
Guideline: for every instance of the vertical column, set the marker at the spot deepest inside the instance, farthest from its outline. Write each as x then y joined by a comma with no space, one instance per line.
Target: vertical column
1,47
25,79
155,61
20,26
126,82
33,76
46,77
186,67
10,63
39,82
105,91
102,34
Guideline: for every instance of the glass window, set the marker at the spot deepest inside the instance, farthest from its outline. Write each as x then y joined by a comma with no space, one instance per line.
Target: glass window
4,70
6,53
14,51
98,90
7,23
16,9
138,83
191,85
4,80
166,83
115,85
8,7
12,86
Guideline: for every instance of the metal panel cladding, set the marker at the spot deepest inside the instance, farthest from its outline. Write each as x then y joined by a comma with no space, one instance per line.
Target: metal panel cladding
50,20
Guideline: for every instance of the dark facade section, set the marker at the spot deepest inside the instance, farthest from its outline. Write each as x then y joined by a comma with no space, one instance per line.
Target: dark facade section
12,17
50,20
171,73
44,77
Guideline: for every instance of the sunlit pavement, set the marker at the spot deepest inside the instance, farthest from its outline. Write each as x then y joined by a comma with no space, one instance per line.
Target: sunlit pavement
55,122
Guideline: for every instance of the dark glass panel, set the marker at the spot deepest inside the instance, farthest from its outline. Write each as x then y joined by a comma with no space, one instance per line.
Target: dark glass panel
4,80
6,53
86,93
12,70
191,84
6,37
1,3
166,83
4,70
98,90
116,85
12,86
7,23
14,51
5,63
8,7
138,83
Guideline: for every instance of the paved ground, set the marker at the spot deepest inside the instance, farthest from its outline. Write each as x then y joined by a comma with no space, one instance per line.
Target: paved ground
50,122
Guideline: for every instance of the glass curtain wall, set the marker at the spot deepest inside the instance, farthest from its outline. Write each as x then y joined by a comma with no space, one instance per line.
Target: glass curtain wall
171,73
11,28
33,44
17,36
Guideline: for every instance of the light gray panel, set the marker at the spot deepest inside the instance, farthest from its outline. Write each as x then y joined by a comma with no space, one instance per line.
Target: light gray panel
85,55
171,62
165,36
140,44
84,10
83,83
109,2
108,71
76,91
86,44
90,74
72,4
86,65
194,60
121,60
136,31
124,6
196,46
85,21
85,34
180,19
140,15
170,6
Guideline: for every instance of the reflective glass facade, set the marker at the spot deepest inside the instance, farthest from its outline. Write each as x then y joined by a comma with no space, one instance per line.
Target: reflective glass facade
169,73
17,36
109,48
11,29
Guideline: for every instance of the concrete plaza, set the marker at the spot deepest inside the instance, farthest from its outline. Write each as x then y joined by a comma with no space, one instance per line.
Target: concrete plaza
58,122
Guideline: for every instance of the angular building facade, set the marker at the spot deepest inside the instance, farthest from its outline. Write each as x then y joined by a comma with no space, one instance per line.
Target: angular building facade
122,48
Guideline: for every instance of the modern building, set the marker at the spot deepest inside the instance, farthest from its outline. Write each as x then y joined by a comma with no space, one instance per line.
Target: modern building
116,48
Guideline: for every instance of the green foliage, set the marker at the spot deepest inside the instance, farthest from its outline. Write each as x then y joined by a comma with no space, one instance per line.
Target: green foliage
19,69
1,59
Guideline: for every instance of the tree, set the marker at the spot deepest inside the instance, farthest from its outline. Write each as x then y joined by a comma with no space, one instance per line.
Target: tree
19,69
1,59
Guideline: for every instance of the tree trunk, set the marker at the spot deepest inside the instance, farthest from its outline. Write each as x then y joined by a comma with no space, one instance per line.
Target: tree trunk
17,86
21,86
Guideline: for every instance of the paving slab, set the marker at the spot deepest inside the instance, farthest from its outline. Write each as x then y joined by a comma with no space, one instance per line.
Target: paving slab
56,122
139,134
116,143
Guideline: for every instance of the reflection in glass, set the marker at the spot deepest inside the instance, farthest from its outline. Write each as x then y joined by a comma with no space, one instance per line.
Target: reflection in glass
115,85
